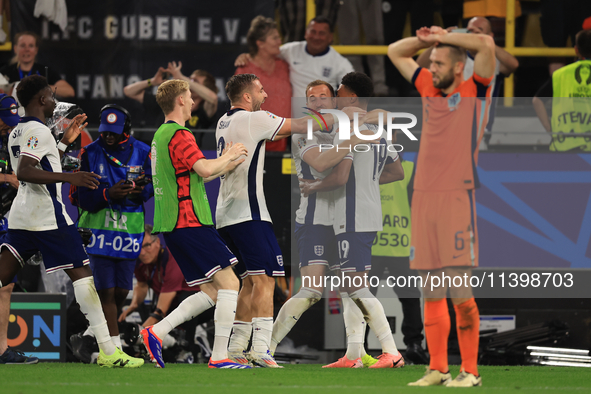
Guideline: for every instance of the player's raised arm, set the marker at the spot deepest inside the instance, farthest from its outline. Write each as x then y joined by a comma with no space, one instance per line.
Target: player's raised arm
300,125
401,53
481,44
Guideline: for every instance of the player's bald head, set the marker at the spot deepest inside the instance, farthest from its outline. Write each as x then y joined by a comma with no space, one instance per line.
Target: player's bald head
480,25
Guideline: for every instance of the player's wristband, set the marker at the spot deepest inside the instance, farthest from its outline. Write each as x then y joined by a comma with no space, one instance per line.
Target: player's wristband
149,82
61,146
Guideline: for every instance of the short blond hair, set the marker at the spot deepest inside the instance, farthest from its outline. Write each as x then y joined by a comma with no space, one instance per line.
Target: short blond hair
168,93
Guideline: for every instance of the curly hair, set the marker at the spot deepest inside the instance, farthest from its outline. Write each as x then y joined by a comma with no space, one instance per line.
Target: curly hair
358,83
29,87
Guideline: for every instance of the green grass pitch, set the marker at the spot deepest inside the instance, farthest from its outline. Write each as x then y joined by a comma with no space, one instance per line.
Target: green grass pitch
56,378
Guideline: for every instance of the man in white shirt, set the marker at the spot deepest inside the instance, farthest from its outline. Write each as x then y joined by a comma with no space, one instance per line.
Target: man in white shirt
39,221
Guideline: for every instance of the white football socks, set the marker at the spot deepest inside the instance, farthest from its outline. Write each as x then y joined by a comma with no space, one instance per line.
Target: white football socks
354,327
116,341
225,311
262,328
291,312
376,318
188,309
90,305
241,332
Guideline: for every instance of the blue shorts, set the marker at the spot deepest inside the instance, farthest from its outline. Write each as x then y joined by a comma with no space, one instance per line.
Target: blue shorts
257,249
355,251
62,248
110,272
200,252
317,245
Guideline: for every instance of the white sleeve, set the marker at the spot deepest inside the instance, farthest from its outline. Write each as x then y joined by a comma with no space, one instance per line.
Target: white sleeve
284,52
392,156
302,145
37,142
337,141
264,125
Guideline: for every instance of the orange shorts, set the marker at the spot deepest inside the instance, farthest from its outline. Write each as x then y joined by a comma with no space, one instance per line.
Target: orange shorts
444,232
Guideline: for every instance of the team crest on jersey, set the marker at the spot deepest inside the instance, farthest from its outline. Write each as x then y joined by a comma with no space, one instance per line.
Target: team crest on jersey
301,142
318,250
272,116
326,71
453,101
32,142
280,260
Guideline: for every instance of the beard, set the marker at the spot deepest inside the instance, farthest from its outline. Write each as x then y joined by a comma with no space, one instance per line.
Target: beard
445,82
256,106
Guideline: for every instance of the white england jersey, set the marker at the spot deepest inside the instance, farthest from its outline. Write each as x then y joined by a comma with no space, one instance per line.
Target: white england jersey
241,196
358,206
318,208
36,207
305,68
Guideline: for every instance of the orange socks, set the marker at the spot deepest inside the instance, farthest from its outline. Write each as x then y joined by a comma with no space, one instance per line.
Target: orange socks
468,326
437,326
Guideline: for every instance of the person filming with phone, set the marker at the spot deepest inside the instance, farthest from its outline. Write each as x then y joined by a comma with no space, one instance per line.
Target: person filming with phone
114,211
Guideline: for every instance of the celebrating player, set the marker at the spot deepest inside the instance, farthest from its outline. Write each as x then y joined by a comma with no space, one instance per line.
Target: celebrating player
314,227
242,216
357,218
444,237
39,222
182,213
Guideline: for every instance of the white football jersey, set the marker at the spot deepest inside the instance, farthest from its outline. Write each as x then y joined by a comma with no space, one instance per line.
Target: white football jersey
318,208
36,207
241,196
358,206
304,68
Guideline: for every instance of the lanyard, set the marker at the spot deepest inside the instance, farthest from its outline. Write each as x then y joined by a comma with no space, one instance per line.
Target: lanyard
20,73
113,159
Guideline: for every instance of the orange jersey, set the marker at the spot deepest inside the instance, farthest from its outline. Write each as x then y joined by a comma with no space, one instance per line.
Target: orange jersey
453,126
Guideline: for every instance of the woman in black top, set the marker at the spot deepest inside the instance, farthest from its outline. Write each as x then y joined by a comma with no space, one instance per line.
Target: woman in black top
26,46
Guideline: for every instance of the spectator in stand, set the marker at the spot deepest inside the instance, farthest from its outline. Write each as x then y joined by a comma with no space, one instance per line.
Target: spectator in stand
203,92
263,47
310,60
26,46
